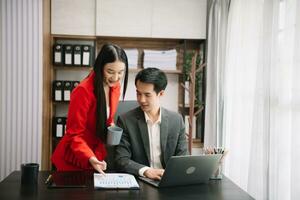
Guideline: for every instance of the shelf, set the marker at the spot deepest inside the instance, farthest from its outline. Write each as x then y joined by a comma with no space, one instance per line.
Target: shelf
197,143
74,37
61,71
187,106
80,68
56,139
166,71
61,102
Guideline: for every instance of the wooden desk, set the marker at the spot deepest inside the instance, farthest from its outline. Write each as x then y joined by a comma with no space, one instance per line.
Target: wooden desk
10,189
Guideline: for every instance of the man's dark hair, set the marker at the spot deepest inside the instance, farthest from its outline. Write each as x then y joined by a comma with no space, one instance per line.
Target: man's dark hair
154,76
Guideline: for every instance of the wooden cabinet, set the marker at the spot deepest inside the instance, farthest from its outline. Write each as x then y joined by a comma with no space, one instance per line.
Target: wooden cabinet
182,19
73,17
140,24
152,18
173,98
179,19
58,107
125,18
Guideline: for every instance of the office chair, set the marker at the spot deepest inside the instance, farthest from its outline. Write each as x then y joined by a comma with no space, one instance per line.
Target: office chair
124,106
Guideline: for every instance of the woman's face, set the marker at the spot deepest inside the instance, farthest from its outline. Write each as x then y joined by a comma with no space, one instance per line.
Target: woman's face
113,73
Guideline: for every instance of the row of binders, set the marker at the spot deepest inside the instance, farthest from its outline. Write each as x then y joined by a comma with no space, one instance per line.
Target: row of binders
59,126
62,90
81,55
72,55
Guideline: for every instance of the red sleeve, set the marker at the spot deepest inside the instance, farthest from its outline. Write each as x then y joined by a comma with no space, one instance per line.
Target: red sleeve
76,127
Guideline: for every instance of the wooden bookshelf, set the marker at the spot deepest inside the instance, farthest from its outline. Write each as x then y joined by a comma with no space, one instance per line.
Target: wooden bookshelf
139,43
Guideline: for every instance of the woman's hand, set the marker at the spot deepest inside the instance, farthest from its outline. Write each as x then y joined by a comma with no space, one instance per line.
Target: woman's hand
99,166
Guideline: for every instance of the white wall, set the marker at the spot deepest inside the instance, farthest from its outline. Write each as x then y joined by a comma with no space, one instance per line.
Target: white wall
170,98
20,84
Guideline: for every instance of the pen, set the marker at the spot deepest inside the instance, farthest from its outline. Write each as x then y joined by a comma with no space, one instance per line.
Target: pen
220,150
48,179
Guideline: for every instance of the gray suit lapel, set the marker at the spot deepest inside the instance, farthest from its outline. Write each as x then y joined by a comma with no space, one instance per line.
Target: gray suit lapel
144,133
163,134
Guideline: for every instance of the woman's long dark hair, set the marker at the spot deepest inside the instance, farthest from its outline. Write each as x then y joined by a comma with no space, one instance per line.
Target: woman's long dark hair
109,53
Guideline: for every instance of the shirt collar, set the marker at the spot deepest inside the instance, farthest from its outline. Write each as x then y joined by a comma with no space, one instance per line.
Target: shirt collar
147,118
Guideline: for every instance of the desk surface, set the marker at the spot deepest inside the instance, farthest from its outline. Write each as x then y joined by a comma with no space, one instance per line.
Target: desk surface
10,189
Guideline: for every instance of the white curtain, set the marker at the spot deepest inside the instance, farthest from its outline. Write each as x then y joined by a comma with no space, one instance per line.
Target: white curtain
216,39
21,81
261,121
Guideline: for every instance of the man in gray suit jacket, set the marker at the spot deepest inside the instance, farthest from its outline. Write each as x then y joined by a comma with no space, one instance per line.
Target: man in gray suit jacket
151,134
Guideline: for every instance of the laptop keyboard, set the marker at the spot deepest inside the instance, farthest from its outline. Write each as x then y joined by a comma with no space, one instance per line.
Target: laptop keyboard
151,181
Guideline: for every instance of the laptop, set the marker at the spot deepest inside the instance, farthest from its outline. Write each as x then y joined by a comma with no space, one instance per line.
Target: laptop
187,170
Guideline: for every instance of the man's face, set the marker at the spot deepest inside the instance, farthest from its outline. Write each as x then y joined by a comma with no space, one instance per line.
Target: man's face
147,97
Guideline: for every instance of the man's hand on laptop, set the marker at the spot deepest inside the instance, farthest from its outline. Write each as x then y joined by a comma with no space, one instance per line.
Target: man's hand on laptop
155,174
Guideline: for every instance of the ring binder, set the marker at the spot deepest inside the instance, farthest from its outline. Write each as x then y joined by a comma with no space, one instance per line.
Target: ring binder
74,84
57,54
68,51
86,55
67,90
77,55
57,90
58,127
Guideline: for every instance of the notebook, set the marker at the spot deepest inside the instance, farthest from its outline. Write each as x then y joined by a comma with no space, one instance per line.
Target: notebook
187,170
115,181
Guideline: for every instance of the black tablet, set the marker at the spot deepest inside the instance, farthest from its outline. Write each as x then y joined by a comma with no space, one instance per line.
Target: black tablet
70,179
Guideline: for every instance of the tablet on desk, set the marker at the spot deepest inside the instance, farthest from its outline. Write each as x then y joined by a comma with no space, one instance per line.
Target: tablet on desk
68,180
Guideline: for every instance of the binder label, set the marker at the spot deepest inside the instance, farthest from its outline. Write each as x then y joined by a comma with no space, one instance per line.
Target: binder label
58,95
86,58
59,130
67,95
57,57
77,59
68,59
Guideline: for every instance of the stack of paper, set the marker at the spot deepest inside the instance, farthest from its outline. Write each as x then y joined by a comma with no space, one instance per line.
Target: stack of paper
165,60
132,56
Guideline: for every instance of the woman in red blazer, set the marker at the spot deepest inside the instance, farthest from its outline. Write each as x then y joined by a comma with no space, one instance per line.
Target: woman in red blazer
92,108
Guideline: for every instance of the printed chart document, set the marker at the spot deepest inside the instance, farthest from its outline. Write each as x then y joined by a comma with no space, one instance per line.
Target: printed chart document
115,181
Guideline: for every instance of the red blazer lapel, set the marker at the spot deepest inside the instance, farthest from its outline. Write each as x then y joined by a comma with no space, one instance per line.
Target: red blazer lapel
114,96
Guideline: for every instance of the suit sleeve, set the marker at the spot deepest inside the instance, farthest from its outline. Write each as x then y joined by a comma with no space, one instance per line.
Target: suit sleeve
123,153
181,148
78,152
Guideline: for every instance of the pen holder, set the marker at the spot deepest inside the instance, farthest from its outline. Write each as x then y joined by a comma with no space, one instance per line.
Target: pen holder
29,174
217,175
